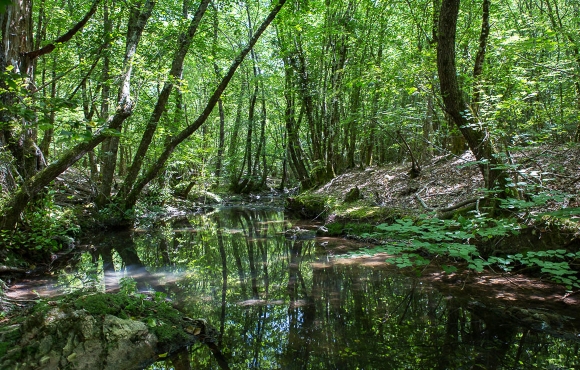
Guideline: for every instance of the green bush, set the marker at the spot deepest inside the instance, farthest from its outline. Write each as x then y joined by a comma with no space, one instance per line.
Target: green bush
46,229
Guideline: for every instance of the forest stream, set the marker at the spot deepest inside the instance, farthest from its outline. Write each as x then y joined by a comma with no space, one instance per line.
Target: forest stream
279,297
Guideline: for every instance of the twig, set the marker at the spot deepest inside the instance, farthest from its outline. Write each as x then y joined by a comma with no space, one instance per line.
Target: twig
324,210
461,204
18,300
423,203
415,168
451,208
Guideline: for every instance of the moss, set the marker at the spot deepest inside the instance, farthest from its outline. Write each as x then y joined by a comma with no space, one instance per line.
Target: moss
162,319
310,205
107,304
167,333
4,348
363,211
335,228
9,335
349,228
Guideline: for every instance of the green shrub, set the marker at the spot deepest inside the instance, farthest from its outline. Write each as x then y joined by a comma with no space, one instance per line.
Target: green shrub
46,229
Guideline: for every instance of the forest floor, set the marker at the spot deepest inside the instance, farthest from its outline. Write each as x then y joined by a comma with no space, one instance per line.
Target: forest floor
448,180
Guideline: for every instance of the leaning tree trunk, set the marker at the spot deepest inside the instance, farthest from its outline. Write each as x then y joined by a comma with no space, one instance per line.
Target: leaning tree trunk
12,210
175,74
478,140
159,164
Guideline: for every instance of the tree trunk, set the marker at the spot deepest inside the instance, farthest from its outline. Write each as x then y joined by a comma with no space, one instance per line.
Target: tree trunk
175,74
111,145
17,203
170,146
477,139
295,150
222,131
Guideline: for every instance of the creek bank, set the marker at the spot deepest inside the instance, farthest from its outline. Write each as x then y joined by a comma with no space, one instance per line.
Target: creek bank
365,221
545,216
99,331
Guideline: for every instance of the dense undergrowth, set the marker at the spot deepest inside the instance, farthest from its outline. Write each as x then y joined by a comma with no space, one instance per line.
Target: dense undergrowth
48,229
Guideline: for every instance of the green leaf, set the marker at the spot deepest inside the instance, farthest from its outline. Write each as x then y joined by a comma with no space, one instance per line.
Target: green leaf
449,269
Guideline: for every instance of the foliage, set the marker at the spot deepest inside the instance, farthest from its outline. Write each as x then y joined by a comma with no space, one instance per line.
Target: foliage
337,228
324,90
47,229
412,243
113,215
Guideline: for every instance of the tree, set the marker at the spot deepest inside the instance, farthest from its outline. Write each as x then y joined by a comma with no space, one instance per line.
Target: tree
464,117
159,163
36,183
175,75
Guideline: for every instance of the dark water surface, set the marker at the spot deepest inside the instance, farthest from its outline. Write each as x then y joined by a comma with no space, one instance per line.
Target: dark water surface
282,300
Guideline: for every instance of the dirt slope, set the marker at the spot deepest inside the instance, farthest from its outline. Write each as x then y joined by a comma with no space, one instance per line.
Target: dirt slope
449,180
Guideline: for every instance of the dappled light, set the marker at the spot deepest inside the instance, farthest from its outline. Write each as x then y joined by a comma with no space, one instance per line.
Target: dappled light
275,184
278,294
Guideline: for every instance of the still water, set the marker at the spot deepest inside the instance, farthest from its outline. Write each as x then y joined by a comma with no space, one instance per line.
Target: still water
287,300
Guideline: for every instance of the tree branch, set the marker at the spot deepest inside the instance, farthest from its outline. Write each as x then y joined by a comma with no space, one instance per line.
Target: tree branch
66,37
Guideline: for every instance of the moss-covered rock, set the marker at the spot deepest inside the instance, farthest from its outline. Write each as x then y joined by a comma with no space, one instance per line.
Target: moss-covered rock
353,195
98,331
310,205
363,212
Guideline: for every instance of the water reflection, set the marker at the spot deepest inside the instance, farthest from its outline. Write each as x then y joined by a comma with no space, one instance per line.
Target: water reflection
281,302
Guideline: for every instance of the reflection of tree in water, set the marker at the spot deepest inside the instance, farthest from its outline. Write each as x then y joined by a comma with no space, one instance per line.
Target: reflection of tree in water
132,266
126,262
275,309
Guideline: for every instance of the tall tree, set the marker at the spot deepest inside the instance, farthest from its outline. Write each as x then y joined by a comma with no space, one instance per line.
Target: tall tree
159,163
175,75
473,131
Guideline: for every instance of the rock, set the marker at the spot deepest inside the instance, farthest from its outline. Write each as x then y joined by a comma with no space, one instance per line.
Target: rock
307,205
99,331
297,233
130,343
77,340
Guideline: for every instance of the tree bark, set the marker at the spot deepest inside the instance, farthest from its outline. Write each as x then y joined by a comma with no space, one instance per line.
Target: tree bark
477,138
110,146
480,58
222,132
